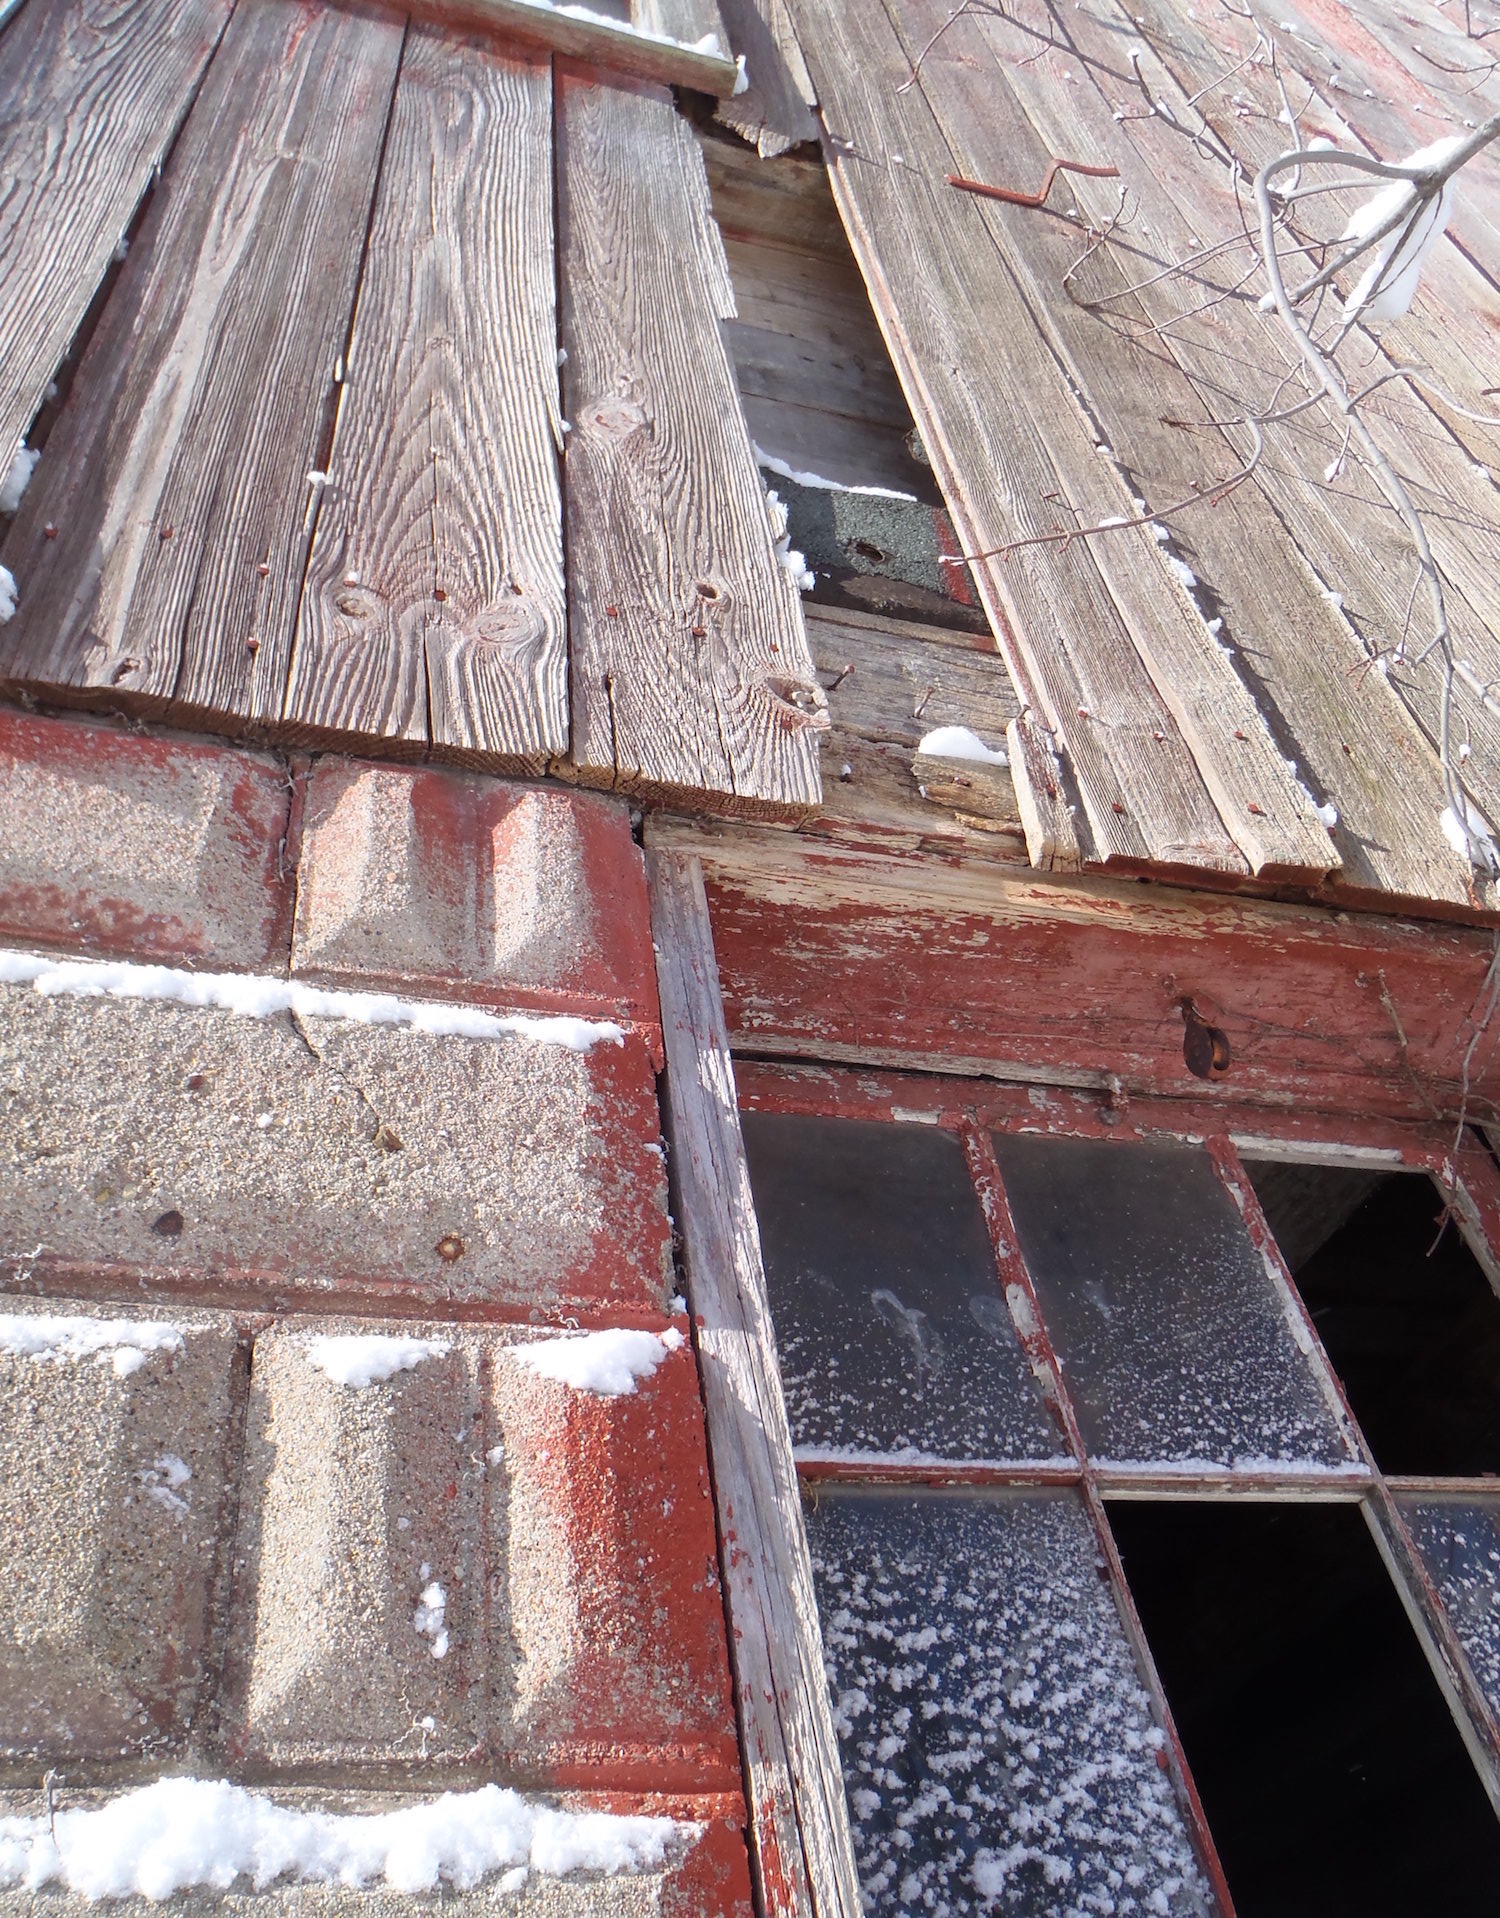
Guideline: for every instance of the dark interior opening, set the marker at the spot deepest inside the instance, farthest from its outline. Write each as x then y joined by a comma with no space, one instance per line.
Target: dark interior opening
1330,1769
1407,1317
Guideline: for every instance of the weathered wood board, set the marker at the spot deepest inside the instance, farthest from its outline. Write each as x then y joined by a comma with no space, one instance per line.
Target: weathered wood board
179,485
433,605
1147,388
91,96
799,1822
690,673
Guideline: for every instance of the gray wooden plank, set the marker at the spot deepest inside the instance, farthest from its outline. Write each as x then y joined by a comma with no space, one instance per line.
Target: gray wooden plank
91,96
994,414
690,672
177,482
434,590
799,1822
774,110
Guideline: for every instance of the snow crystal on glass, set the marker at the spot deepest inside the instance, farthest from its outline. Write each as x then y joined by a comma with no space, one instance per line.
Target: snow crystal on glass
1461,1544
998,1746
891,1330
1175,1343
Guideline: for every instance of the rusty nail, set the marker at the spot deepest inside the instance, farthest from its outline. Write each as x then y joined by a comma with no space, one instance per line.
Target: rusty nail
252,644
449,1247
263,569
166,533
438,593
613,611
49,531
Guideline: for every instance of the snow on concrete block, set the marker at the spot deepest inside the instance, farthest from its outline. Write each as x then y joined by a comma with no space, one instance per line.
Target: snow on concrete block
301,1853
431,880
359,1630
609,1575
323,1159
114,1427
141,847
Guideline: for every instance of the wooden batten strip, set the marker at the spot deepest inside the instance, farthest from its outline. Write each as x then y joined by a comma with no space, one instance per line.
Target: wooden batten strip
91,97
434,592
774,112
799,1821
996,420
181,479
1046,817
691,676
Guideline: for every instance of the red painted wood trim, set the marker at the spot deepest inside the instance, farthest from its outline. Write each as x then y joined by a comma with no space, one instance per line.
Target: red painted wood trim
848,1092
938,966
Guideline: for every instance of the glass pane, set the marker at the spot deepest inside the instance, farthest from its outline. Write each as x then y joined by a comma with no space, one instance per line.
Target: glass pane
1173,1338
998,1746
892,1333
1460,1543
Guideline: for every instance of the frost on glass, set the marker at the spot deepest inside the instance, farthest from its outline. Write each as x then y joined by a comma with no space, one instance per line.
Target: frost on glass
1173,1338
1460,1543
891,1331
999,1749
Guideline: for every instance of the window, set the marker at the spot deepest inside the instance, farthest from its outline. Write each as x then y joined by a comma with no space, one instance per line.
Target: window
1150,1495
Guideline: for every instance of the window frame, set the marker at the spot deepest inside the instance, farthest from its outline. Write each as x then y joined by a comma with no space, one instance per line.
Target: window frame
802,1845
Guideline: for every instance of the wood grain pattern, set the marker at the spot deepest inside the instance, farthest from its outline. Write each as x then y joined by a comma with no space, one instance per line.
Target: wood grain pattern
690,672
1274,551
91,96
177,480
1041,797
986,394
799,1823
434,593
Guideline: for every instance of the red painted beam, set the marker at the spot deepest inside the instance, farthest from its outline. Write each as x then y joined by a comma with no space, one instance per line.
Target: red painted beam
835,955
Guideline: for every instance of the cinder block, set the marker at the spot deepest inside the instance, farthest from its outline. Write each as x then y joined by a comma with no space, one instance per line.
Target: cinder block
359,1630
610,1583
142,848
440,882
273,1159
114,1430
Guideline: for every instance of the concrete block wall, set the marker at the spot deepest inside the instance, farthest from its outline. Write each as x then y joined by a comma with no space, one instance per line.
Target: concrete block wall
229,1546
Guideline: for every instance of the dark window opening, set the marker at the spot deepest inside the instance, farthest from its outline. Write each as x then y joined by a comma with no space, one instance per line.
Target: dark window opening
1407,1317
1333,1776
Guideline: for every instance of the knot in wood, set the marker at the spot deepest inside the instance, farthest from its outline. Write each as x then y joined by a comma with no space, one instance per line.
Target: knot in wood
616,416
362,604
513,627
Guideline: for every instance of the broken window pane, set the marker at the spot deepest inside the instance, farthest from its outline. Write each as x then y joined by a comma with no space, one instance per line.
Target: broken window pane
998,1745
891,1329
1459,1540
1331,1772
1174,1340
1408,1319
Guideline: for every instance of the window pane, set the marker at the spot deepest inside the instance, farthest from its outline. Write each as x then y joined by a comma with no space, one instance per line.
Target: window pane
1331,1772
1173,1338
1406,1316
998,1746
890,1325
1460,1542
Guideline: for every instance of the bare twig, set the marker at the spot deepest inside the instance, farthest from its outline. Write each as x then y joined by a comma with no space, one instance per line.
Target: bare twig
1013,197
